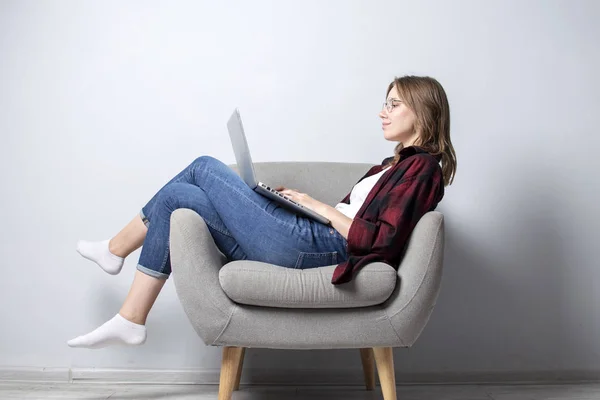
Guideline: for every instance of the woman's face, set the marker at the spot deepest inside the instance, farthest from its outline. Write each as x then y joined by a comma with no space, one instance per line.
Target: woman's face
398,124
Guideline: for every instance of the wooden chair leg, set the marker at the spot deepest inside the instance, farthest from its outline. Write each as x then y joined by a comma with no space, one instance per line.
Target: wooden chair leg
368,364
385,369
239,371
229,369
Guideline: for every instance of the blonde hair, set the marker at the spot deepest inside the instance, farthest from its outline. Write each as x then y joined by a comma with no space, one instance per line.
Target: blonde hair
427,99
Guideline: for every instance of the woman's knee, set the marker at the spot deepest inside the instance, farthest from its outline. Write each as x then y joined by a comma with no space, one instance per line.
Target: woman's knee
209,163
204,161
170,196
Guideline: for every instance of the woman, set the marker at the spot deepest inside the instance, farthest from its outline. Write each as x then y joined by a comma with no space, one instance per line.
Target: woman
372,223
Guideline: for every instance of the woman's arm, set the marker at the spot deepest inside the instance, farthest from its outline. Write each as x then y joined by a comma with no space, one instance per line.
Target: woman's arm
339,221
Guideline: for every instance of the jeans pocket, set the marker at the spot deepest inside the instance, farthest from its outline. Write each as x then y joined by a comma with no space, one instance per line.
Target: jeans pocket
314,260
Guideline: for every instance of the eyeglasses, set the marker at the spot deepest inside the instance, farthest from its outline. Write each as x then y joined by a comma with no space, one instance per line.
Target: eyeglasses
390,104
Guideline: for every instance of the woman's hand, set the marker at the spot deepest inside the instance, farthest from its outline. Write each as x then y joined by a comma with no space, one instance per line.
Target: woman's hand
338,220
301,198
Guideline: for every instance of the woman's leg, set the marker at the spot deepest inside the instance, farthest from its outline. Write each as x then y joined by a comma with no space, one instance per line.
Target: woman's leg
243,223
141,297
127,327
132,236
261,229
129,239
110,254
154,266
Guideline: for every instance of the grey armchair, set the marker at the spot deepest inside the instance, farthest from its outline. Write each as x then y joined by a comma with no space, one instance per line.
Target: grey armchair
239,304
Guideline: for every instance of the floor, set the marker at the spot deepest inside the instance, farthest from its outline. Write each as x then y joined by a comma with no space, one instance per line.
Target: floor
88,391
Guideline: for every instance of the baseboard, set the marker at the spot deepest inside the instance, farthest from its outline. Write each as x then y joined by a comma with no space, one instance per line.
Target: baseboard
286,377
29,374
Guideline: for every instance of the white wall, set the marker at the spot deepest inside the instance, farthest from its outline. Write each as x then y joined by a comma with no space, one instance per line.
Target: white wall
102,102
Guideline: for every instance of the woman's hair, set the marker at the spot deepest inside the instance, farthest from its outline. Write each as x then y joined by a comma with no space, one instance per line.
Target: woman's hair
427,99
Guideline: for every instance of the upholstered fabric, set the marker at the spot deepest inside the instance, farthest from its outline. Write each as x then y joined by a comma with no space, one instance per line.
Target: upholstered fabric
261,284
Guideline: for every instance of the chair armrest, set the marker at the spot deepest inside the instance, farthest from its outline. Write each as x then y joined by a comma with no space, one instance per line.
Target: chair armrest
195,264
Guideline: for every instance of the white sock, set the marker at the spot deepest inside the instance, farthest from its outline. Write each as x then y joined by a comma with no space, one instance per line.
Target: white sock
101,255
117,330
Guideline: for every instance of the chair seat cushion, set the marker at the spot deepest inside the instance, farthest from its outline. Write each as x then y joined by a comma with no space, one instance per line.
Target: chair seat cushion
262,284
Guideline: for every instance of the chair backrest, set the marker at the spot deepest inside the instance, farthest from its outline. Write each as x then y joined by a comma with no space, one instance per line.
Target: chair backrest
327,182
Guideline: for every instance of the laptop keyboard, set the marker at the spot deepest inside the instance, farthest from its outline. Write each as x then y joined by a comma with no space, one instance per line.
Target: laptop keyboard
281,195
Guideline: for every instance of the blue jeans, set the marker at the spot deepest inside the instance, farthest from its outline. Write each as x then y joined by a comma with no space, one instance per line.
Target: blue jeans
244,224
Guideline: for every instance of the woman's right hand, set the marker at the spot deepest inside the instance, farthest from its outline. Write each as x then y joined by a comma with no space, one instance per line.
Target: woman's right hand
282,188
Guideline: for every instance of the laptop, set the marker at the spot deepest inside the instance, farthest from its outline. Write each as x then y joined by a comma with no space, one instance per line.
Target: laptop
246,170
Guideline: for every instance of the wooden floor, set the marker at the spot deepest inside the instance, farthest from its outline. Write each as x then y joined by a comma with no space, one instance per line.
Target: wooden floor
28,390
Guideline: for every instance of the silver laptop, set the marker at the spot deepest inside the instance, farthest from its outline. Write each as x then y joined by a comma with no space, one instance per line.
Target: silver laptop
246,170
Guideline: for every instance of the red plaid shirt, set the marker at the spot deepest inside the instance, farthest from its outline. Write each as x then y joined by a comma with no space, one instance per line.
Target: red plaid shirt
401,196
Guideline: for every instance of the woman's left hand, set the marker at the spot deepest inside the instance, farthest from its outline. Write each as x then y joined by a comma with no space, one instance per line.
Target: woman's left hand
301,198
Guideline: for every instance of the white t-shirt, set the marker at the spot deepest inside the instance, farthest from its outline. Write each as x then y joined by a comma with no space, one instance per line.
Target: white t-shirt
359,194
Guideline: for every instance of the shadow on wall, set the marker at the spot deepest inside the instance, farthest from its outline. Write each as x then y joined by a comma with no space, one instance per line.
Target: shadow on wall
501,305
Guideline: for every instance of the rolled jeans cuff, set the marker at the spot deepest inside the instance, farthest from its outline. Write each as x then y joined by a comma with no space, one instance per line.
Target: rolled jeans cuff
151,272
144,218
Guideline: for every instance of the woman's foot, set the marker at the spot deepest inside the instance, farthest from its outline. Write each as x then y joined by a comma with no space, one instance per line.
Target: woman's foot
99,253
118,330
